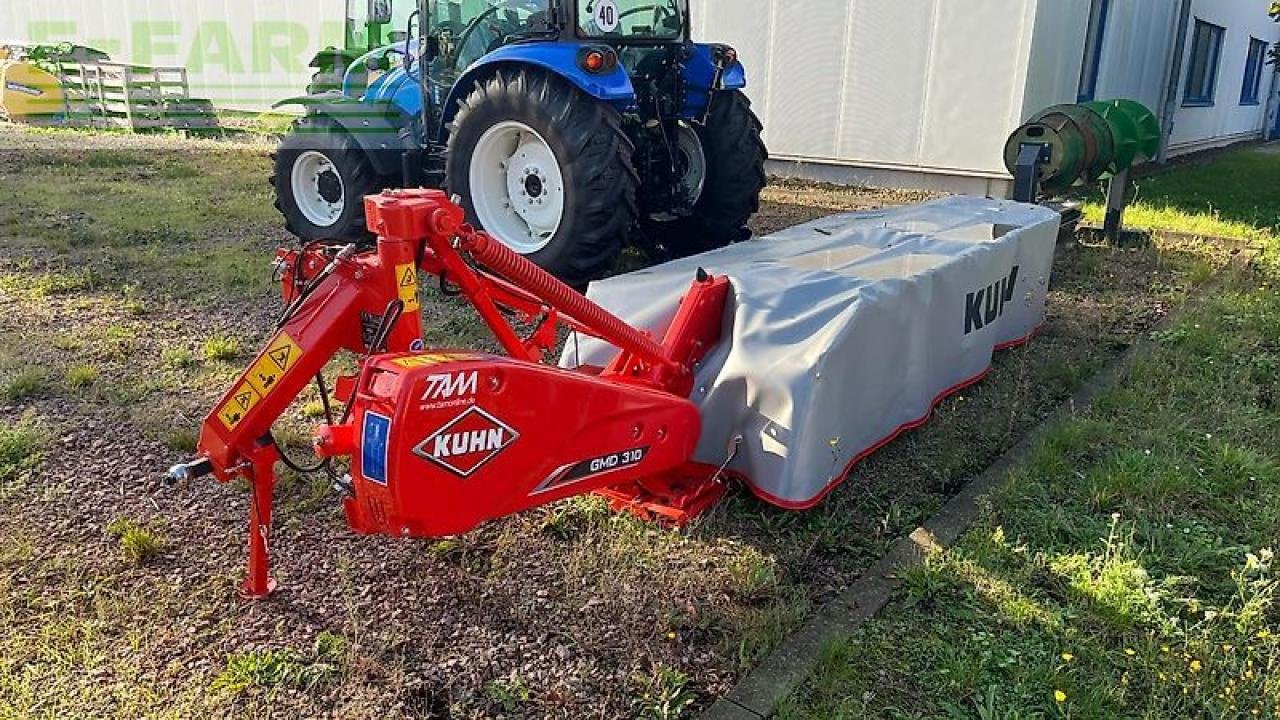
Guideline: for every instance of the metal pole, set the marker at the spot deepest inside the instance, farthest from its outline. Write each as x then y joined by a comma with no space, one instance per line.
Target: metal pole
1117,188
1272,115
1026,179
1171,93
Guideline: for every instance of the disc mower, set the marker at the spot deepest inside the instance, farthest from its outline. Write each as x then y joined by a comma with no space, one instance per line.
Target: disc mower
563,125
791,360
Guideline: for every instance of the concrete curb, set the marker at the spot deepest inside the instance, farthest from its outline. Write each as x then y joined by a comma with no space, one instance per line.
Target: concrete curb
757,696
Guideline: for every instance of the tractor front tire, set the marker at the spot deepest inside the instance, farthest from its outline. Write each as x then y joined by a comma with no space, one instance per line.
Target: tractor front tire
735,156
524,144
321,179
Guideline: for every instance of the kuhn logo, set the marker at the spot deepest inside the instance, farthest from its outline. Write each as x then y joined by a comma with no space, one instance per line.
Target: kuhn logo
467,442
985,306
448,386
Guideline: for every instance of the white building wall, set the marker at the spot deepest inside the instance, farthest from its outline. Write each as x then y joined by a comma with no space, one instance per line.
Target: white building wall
898,89
1226,120
1136,51
878,91
882,84
243,54
1053,75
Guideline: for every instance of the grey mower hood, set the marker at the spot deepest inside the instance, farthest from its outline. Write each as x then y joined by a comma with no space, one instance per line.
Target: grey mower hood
842,332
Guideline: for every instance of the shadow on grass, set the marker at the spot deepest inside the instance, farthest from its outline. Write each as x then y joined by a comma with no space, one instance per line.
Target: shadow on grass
1231,194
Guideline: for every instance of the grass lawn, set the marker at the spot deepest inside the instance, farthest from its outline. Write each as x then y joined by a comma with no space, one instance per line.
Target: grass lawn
135,283
1231,195
1127,568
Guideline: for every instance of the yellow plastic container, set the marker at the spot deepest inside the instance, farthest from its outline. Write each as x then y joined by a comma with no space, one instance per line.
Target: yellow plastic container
29,94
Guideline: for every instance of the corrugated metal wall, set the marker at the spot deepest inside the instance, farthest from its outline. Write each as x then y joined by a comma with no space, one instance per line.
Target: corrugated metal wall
926,84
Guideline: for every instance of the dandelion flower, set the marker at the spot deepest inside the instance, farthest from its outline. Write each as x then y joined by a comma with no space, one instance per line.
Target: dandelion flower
1059,696
1130,652
1196,666
1068,657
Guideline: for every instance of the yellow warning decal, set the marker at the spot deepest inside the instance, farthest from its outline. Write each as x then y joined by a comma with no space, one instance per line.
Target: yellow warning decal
237,407
418,361
407,278
281,355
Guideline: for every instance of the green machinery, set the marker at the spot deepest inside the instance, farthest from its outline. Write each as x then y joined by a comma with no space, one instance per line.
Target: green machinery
1068,144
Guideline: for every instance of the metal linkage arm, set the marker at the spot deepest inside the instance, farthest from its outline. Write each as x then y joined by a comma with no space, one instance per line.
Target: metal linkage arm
427,216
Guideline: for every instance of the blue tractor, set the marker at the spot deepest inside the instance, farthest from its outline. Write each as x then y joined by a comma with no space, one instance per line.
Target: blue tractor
568,127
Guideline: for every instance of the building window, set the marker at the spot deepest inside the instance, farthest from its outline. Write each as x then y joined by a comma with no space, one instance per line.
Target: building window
1093,50
1249,94
1202,73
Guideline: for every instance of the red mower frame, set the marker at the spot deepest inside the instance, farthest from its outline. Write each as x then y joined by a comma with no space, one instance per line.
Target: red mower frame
509,432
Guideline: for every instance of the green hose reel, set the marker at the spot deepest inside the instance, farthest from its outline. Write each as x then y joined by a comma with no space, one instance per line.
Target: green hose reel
1086,142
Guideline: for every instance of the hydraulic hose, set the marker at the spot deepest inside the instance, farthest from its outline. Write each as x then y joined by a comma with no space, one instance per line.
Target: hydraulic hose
538,282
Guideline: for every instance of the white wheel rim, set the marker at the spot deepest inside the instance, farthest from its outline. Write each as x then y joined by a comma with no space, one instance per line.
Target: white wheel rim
694,180
318,189
517,188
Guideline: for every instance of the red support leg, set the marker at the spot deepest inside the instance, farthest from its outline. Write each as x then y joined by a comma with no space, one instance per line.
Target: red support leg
258,584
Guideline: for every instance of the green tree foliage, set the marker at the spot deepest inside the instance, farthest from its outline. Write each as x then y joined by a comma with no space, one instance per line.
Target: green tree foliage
1275,49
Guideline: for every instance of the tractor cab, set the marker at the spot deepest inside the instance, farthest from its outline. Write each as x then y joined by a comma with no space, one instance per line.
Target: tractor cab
639,20
568,128
461,32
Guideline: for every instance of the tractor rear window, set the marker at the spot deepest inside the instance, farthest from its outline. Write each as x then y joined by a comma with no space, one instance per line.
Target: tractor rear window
630,19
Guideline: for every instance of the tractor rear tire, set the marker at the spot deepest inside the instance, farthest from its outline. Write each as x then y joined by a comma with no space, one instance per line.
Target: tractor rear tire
342,170
591,155
735,156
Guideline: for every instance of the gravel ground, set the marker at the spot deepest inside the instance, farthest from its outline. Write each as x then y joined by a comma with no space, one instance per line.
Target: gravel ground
564,612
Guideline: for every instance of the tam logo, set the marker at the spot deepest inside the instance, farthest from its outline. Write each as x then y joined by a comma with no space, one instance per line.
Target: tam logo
467,442
448,386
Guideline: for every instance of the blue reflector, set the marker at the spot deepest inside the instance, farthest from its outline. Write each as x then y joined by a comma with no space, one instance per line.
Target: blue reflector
373,447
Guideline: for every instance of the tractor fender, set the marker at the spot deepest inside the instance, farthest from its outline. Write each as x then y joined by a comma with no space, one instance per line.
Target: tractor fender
700,76
558,58
355,80
399,89
376,127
